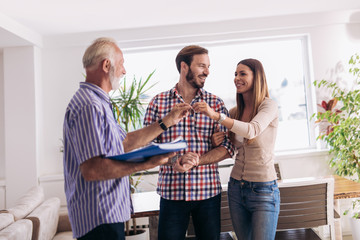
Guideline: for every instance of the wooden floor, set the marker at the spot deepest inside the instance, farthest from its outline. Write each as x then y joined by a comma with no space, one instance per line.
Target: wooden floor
304,234
223,236
298,234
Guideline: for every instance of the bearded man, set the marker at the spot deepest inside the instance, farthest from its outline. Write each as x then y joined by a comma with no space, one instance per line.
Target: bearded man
190,185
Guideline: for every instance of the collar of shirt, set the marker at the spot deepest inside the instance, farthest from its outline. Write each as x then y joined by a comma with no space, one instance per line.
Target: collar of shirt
97,90
174,92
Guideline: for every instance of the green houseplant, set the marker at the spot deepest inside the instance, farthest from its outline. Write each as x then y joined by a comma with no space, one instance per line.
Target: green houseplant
342,133
128,102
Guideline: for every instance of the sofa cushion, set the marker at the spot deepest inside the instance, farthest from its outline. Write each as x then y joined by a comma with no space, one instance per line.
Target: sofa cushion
45,219
64,236
27,203
64,222
19,230
5,220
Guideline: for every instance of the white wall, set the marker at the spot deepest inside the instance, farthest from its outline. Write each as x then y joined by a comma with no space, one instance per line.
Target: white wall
332,44
62,72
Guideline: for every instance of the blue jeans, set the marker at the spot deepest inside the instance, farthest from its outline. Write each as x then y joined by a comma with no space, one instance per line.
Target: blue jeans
254,209
174,218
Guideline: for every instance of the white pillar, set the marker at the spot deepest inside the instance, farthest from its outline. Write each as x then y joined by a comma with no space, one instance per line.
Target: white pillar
21,80
2,139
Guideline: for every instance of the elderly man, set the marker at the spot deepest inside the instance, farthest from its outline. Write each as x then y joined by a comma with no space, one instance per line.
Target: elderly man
97,188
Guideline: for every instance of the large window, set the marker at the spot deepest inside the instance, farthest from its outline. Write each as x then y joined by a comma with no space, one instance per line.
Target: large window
286,64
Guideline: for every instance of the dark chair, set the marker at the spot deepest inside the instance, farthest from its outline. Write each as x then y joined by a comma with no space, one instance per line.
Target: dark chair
226,226
277,169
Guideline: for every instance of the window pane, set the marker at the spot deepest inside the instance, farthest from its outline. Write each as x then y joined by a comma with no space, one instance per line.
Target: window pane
284,68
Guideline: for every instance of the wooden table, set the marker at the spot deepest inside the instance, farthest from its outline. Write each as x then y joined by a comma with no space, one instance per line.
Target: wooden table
343,189
147,204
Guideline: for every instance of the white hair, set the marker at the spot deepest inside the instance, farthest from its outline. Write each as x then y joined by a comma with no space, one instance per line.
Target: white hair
100,49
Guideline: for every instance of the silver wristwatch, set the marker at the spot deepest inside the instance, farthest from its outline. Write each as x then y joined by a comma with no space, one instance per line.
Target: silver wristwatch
222,117
173,159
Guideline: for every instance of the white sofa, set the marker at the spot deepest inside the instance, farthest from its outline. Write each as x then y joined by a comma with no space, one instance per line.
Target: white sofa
35,218
11,230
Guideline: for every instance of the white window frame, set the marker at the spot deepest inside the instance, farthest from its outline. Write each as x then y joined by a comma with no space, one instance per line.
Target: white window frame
310,98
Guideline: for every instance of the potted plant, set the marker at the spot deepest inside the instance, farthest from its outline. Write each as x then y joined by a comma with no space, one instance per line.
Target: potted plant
355,218
342,131
128,102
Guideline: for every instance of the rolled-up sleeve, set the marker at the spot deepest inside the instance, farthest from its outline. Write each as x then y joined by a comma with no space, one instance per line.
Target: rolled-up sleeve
268,111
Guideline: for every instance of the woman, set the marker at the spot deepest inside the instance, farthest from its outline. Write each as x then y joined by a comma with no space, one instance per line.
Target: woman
254,198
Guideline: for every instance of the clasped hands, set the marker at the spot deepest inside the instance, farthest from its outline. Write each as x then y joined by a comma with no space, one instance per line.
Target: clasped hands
186,162
190,159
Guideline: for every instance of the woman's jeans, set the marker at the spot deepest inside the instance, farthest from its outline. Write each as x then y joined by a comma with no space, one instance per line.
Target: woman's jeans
254,208
174,218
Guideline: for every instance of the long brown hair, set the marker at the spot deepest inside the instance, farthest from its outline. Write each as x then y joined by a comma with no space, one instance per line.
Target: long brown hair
260,90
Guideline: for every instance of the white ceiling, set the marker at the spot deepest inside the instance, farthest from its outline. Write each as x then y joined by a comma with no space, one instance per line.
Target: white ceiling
48,18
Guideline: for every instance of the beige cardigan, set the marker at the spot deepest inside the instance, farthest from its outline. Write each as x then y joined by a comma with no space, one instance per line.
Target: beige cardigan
255,161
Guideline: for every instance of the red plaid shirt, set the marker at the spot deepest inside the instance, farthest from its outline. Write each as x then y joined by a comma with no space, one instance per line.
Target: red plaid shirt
201,182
